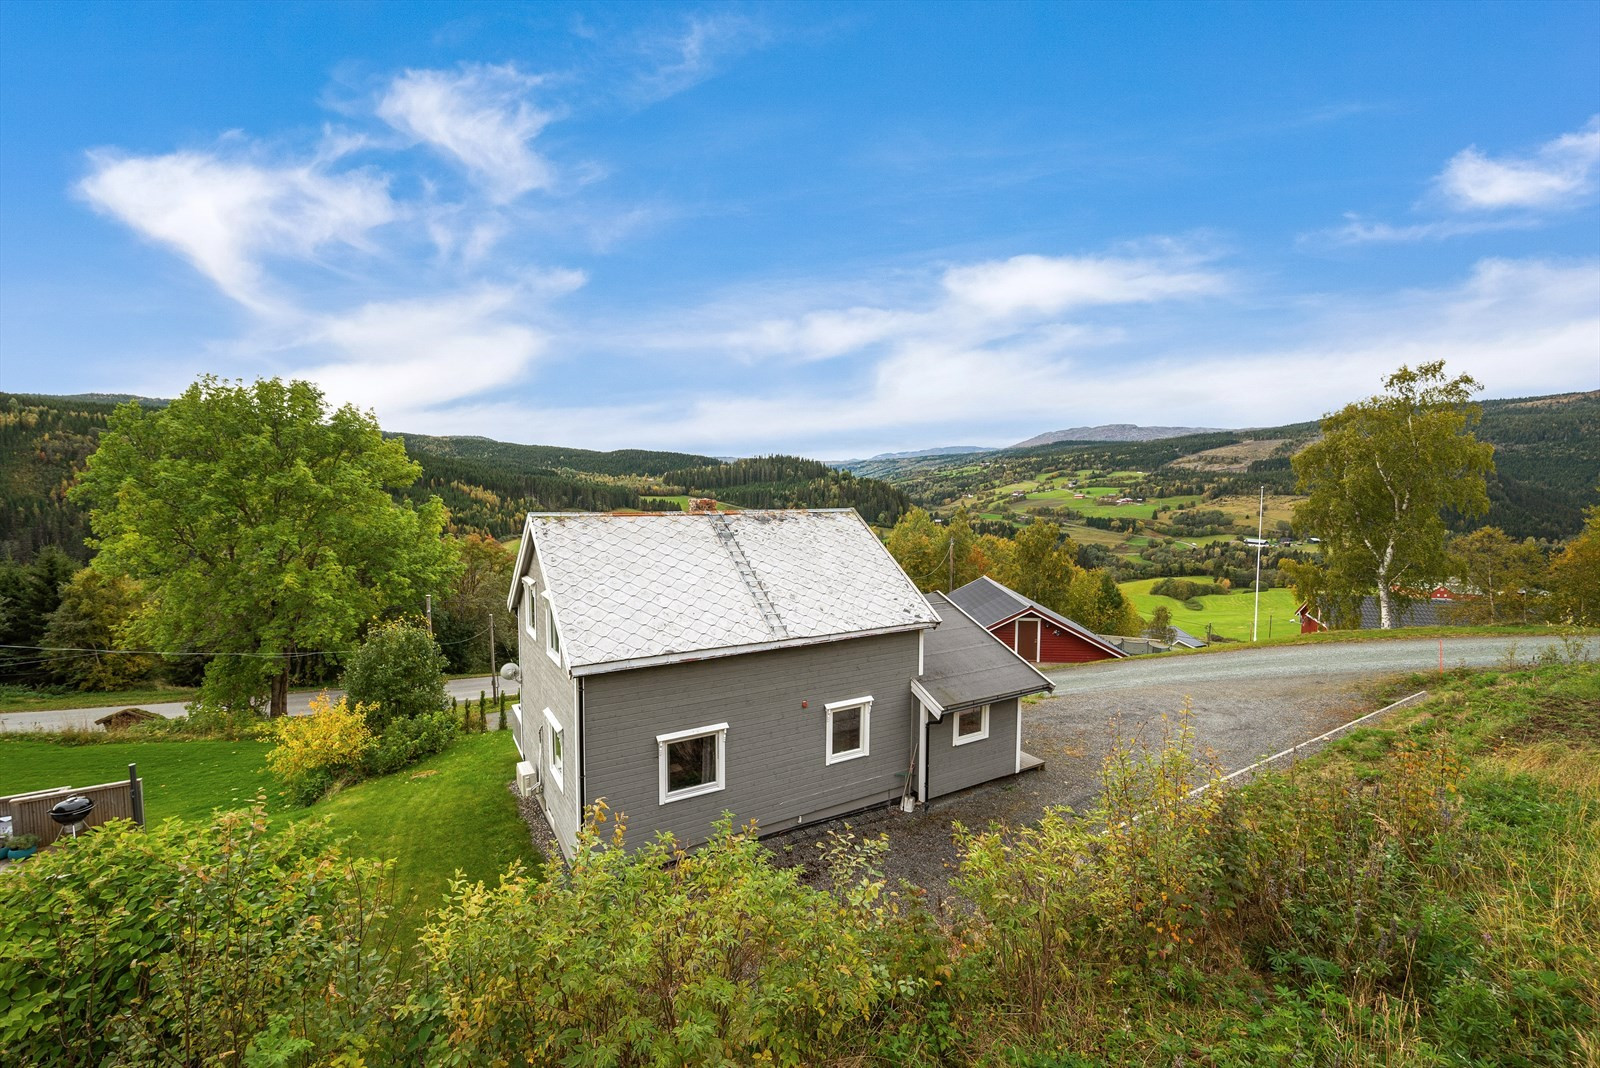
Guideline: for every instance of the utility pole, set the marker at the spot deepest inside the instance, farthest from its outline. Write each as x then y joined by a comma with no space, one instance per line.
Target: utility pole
950,553
427,607
494,676
1261,524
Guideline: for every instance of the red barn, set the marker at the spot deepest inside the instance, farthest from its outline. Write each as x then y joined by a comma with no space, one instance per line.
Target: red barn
1028,628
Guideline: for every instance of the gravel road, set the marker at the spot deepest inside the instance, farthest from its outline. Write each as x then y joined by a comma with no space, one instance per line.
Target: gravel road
1246,704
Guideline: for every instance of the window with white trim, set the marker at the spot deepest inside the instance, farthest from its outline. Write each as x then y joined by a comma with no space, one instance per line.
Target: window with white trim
530,610
554,750
849,728
552,637
692,762
972,725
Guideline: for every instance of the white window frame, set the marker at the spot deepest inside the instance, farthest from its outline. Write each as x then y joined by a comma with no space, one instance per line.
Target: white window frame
863,703
551,634
663,740
555,751
957,738
530,615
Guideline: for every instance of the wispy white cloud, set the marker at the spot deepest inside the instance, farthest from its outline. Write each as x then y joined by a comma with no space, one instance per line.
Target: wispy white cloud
480,116
225,216
696,50
908,389
1557,174
407,357
1359,231
1484,194
974,304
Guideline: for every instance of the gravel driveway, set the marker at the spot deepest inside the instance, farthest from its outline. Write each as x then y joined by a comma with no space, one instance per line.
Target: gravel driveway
1246,704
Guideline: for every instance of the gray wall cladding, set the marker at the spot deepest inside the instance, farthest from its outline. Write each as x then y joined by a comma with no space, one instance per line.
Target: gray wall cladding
956,767
545,684
777,772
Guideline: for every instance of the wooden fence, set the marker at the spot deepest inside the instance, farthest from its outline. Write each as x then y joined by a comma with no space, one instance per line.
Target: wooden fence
30,812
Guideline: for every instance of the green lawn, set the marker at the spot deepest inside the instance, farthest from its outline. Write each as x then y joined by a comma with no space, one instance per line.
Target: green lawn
1229,614
450,812
683,501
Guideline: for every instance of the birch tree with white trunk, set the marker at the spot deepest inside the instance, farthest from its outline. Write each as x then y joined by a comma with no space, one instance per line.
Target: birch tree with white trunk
1381,478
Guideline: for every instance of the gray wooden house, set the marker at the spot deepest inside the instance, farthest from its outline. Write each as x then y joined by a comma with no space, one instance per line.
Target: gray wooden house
774,664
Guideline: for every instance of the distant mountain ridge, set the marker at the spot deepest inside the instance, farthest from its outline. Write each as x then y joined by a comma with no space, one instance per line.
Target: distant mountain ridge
942,450
1116,432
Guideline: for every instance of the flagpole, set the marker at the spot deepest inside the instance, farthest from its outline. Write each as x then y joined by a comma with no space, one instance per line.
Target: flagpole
1261,520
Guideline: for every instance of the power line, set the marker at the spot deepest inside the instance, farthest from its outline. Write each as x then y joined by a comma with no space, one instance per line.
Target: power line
84,651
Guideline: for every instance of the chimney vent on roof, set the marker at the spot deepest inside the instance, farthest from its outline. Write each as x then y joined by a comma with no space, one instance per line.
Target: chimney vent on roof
703,504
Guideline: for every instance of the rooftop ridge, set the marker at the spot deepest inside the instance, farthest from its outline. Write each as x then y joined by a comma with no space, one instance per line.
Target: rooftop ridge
752,581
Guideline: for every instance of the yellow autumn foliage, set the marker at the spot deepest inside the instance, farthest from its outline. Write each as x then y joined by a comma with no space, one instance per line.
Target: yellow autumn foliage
315,750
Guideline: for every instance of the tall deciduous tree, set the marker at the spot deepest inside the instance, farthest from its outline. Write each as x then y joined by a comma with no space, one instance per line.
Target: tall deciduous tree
1575,574
260,524
1041,565
1381,476
95,609
1505,575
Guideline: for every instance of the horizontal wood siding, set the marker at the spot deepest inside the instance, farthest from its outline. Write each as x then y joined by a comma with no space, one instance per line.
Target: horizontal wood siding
955,767
1057,646
545,684
777,772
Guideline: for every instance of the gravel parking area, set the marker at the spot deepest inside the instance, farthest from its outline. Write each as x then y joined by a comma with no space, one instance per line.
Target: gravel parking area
1240,722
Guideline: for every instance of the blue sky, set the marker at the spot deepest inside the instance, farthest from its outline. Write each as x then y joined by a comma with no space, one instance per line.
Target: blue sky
831,229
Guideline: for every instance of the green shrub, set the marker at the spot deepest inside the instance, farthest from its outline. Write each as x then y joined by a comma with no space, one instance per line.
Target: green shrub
190,945
398,673
407,741
659,956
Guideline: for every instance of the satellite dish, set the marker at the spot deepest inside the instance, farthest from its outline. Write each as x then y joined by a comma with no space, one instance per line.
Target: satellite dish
510,672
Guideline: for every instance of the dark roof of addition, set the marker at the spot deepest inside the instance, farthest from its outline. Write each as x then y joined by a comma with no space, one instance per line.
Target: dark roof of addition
990,604
965,665
1411,614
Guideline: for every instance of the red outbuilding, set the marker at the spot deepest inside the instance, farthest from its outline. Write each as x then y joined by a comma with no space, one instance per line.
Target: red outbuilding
1028,628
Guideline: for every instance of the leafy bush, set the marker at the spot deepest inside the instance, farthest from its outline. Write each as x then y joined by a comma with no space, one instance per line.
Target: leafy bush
315,751
406,741
397,673
659,956
191,945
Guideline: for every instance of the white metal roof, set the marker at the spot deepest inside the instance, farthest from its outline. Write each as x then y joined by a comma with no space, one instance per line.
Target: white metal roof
632,590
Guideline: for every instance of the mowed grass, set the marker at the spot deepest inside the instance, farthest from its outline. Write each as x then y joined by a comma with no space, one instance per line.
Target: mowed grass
451,813
188,779
1229,614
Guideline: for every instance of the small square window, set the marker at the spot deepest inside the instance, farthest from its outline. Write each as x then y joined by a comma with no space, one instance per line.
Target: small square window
849,729
692,762
972,725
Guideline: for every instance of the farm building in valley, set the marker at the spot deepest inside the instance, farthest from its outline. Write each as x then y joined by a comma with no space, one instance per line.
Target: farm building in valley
1034,632
774,664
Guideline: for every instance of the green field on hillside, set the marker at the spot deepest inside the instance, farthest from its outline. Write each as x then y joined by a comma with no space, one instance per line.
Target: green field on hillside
1228,614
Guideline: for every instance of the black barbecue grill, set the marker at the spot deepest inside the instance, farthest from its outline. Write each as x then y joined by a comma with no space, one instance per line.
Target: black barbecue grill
72,812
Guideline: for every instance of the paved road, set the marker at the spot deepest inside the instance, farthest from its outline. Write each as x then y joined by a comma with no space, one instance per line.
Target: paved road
83,718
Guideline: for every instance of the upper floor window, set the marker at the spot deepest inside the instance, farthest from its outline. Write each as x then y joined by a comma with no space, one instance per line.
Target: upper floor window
552,636
530,610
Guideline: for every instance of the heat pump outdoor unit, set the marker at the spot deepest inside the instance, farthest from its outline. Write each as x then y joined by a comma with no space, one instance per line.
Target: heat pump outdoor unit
527,780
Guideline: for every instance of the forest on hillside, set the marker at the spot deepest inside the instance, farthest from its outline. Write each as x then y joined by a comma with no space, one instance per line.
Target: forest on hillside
488,485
